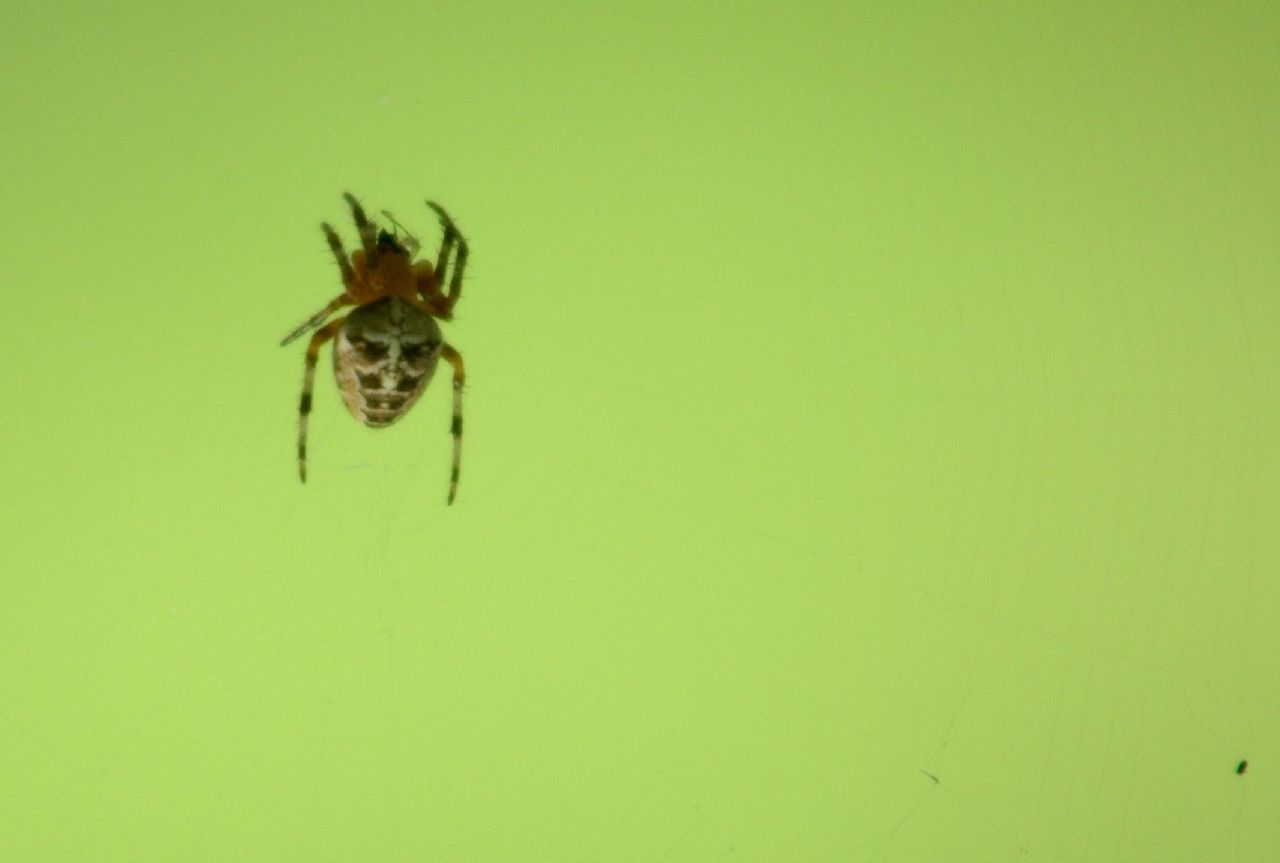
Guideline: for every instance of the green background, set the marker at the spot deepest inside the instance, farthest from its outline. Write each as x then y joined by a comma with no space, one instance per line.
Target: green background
872,435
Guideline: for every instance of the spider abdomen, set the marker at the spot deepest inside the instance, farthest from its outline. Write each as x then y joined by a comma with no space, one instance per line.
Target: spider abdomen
383,359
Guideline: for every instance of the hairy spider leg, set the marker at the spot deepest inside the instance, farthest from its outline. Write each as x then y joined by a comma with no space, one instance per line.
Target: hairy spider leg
318,339
317,319
455,427
428,276
451,237
339,254
368,236
343,299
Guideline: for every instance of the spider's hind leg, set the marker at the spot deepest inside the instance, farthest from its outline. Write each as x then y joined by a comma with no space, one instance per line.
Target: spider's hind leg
454,359
308,382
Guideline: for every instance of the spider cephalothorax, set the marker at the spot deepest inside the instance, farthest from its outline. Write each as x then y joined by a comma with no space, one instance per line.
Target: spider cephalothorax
387,348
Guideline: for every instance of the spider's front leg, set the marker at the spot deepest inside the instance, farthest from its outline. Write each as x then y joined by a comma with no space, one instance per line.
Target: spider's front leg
308,382
451,239
343,299
368,235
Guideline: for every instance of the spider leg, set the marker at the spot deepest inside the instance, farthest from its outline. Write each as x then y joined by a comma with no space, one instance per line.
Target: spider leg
317,319
339,254
451,237
308,381
455,427
424,278
368,235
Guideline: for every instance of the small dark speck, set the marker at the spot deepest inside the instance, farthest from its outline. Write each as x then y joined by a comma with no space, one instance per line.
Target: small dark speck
1241,768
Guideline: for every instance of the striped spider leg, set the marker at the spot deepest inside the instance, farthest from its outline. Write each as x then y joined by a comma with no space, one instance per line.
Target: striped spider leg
386,349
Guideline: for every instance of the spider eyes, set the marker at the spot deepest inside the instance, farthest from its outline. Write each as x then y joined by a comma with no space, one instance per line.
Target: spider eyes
387,241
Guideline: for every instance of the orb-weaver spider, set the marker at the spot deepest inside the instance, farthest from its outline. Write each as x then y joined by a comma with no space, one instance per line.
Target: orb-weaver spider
386,349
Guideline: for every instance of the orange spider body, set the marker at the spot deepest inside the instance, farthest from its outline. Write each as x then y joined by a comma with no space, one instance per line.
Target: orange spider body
394,272
387,348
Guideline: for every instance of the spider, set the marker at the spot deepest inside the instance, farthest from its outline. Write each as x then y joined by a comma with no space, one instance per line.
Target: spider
387,347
